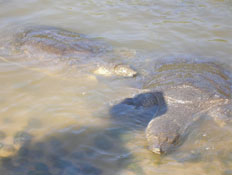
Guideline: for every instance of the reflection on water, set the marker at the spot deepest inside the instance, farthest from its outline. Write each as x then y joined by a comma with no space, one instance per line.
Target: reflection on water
56,120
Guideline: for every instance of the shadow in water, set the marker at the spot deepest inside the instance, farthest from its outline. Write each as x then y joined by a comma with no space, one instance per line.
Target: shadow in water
86,150
136,113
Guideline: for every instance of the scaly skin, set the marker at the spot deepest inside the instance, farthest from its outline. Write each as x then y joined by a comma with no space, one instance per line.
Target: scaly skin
51,42
190,89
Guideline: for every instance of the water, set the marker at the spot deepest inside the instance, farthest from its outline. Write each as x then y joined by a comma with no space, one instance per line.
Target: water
62,118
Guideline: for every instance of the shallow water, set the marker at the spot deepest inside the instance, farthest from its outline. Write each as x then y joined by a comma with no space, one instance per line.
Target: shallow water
63,117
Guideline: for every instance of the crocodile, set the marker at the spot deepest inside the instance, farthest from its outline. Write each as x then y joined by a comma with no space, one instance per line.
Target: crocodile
192,89
54,44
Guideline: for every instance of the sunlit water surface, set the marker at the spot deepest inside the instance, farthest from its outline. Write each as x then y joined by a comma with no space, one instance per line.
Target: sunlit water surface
62,116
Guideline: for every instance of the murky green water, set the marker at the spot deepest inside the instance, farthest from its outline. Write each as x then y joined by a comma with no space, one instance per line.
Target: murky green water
62,116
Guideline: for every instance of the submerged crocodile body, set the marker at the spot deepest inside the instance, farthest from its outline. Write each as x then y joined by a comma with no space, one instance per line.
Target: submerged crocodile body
51,45
44,42
191,89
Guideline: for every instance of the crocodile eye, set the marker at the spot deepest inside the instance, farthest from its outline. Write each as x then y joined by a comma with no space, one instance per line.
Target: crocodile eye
174,140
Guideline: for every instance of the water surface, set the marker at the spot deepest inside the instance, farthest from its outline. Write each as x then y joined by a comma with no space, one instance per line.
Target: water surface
63,116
